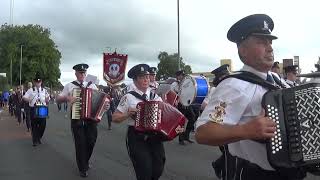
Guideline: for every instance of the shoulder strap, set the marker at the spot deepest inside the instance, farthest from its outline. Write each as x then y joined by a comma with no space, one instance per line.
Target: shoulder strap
278,81
137,95
89,83
76,83
252,78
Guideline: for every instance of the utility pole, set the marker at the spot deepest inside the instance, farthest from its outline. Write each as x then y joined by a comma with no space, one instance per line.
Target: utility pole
20,61
178,34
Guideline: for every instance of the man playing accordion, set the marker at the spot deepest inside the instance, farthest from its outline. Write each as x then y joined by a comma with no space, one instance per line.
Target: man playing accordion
146,151
84,131
234,115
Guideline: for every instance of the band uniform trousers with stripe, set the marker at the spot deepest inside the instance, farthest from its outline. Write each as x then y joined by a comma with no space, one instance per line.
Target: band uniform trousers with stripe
38,126
85,135
146,153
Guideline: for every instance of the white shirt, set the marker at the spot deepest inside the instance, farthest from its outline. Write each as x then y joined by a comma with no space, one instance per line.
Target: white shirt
243,101
35,94
208,97
67,89
290,83
129,101
175,87
283,81
154,84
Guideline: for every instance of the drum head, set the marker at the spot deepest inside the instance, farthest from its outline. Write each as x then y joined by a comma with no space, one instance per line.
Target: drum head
187,91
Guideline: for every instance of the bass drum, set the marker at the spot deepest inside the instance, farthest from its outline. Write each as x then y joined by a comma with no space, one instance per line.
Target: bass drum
193,90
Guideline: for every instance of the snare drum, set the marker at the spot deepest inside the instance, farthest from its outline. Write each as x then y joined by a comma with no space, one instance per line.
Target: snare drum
41,111
193,90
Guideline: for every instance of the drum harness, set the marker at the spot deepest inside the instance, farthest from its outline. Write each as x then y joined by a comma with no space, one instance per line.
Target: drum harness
38,100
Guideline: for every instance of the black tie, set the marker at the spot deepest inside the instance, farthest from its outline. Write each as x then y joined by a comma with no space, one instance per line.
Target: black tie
81,84
144,96
270,78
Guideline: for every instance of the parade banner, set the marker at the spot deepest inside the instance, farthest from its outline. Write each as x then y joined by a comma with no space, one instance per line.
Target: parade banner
114,67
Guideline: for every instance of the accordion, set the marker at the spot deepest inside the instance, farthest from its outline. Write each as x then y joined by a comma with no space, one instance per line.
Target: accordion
159,118
296,112
171,98
91,104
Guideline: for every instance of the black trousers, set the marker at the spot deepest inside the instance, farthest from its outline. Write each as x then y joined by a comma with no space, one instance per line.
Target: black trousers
109,116
38,126
85,135
146,153
189,113
253,172
28,117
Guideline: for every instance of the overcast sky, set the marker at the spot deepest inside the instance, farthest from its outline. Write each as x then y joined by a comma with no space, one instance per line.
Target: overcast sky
84,29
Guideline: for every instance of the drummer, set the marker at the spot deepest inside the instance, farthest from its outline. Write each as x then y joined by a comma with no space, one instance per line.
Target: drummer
187,111
36,96
219,74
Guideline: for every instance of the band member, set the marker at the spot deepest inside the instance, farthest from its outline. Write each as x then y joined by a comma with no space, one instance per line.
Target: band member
179,77
84,132
219,74
18,104
291,75
36,96
190,112
146,151
234,115
27,110
152,75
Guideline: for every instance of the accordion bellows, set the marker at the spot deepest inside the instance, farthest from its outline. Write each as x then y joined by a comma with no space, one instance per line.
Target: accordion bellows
91,104
158,117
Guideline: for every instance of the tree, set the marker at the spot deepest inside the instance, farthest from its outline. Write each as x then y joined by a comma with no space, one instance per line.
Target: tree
4,86
40,54
168,65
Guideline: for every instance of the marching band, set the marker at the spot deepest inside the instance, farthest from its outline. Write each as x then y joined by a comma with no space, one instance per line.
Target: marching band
238,113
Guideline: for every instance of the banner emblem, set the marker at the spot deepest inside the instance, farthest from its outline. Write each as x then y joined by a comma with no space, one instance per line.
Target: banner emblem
114,67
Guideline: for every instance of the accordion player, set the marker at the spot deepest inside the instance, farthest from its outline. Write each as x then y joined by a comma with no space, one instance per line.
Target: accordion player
91,104
160,118
296,112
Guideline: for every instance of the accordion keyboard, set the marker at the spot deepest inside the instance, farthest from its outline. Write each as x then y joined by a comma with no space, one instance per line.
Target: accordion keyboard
276,141
76,106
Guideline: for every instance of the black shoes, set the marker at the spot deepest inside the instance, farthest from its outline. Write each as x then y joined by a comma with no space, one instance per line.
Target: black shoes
83,173
89,166
189,141
182,143
36,143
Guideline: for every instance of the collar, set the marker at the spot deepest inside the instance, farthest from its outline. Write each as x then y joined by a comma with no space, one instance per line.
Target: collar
289,82
254,71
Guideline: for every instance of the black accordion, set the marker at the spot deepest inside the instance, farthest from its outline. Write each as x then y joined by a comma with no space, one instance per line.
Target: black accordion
296,112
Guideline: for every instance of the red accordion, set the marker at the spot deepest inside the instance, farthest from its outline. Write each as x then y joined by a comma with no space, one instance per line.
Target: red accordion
159,117
91,104
171,98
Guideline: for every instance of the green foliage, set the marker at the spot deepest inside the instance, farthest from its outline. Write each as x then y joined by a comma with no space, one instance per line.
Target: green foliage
4,86
168,65
39,54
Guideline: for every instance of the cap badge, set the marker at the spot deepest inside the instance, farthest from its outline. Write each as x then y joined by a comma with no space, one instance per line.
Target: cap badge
142,69
266,26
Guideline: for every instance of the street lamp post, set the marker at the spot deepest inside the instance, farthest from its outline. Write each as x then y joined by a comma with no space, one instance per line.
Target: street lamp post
178,34
20,61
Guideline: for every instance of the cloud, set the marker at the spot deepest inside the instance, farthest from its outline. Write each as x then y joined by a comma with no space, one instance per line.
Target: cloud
83,29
